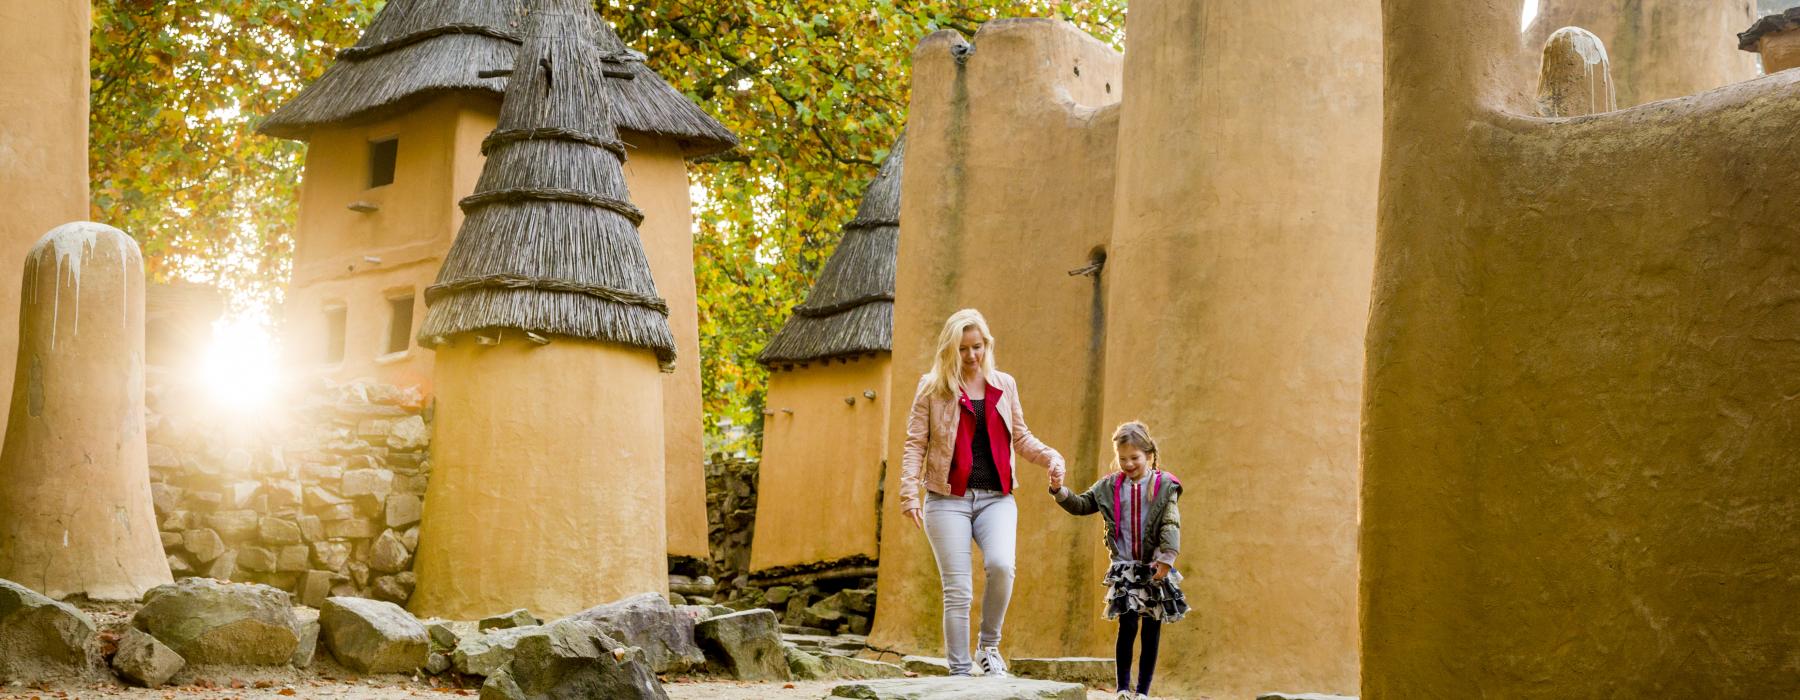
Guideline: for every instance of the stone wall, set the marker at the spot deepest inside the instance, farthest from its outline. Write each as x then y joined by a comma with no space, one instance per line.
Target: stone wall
321,500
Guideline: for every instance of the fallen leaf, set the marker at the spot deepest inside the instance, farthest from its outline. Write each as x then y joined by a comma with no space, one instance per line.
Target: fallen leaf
285,691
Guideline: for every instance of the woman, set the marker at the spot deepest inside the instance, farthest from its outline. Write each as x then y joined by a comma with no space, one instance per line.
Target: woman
965,426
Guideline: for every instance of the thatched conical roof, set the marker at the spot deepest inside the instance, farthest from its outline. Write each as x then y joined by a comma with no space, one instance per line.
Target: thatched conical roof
850,310
417,49
549,242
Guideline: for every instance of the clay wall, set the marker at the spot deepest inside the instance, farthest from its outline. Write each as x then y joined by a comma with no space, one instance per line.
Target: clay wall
1238,281
1578,415
44,147
823,438
1011,188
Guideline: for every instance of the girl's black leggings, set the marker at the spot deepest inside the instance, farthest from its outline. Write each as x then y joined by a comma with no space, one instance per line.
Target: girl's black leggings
1129,625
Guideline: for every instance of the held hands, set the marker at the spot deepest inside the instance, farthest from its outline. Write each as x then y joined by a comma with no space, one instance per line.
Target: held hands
1056,476
1162,571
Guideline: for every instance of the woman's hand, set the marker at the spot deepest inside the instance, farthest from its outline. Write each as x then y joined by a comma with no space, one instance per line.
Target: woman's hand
1056,481
917,518
1162,571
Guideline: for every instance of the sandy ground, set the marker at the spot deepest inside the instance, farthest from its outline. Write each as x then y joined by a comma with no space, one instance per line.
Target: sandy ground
395,687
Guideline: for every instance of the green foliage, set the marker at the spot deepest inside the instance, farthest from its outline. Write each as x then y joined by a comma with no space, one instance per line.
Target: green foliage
817,90
173,157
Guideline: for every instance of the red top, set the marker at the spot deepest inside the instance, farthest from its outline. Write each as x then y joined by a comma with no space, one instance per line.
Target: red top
999,441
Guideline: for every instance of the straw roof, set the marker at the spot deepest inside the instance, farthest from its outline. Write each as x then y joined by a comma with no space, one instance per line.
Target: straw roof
850,310
1768,24
549,242
417,49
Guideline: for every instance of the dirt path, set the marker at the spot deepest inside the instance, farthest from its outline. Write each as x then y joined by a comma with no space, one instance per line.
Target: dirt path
395,688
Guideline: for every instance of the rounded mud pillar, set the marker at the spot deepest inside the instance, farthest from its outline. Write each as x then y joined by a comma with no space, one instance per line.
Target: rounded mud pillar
548,489
75,510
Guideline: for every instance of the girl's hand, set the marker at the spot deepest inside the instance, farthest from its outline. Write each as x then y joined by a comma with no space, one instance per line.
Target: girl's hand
1162,572
918,519
1056,481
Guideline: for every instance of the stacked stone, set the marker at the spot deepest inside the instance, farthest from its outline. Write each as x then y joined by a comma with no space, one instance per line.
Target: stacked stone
325,503
731,516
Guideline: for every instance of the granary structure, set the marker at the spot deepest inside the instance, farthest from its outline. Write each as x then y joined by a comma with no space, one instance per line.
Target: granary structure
549,329
1577,436
1182,235
44,85
395,131
825,425
1775,39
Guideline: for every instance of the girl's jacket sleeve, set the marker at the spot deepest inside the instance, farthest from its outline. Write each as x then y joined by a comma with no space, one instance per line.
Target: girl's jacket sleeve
1170,533
1087,503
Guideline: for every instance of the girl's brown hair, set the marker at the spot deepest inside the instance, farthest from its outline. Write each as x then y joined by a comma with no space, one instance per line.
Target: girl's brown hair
1135,434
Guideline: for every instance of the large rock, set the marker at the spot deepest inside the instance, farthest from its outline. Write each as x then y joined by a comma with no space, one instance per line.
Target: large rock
744,645
309,639
573,659
854,669
209,622
516,618
926,665
388,555
802,665
1303,696
144,661
1095,672
960,689
649,622
373,636
409,433
40,639
484,654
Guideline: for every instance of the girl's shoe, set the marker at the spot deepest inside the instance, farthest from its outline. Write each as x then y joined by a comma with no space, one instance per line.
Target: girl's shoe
1127,695
990,662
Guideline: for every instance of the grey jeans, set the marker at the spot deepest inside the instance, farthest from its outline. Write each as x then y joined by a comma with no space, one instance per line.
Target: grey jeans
990,519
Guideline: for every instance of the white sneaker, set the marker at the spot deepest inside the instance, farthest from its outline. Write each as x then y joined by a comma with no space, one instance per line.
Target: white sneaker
990,662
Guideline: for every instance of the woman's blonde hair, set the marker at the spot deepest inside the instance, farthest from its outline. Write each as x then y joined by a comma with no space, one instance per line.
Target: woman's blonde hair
945,376
1135,434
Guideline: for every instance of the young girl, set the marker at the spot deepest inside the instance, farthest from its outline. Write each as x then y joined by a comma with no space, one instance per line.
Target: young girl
1143,532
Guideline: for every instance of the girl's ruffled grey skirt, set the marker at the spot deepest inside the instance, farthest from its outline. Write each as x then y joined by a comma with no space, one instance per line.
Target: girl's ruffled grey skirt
1130,590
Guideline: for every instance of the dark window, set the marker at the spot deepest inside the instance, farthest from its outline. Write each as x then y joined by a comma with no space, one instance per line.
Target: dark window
334,334
381,161
399,323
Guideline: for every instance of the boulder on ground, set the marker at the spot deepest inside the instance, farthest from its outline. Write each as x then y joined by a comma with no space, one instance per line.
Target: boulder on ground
41,639
1094,671
485,653
926,665
209,622
573,659
979,688
373,636
516,618
309,638
649,622
853,669
144,661
802,664
744,645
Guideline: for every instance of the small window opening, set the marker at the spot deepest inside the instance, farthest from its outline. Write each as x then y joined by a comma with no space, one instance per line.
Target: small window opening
400,313
334,334
381,161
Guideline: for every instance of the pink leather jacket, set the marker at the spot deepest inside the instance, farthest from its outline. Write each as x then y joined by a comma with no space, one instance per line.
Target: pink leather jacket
931,441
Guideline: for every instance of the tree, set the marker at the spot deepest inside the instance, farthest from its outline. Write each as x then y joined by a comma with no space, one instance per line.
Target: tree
817,90
173,155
